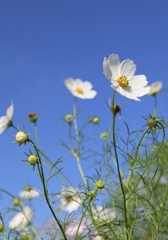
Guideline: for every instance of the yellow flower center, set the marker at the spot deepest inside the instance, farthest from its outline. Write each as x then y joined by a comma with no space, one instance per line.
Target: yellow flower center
79,90
123,81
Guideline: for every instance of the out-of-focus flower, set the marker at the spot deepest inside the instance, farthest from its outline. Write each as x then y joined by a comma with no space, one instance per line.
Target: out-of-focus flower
123,79
32,117
94,235
29,193
2,228
21,137
72,229
6,121
104,135
155,88
32,159
80,89
103,214
21,219
26,236
70,200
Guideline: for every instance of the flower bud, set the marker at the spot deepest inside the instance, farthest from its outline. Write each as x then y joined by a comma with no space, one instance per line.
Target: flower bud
27,188
99,184
96,120
116,109
152,122
32,117
16,202
68,119
104,135
32,159
91,195
21,137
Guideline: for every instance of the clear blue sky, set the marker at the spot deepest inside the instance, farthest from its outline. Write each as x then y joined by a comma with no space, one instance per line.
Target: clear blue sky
44,42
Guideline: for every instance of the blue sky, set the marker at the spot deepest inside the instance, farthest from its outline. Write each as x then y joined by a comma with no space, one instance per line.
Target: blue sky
44,42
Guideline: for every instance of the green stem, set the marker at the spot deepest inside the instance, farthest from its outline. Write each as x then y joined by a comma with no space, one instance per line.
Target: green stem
41,173
149,162
48,160
77,137
118,170
155,105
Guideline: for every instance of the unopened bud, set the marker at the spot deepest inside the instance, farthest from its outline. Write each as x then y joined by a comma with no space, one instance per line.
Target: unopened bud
21,137
16,202
99,184
116,109
32,159
104,135
96,120
152,122
32,117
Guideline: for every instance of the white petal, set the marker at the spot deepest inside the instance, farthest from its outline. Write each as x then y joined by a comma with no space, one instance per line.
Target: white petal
87,86
127,93
114,59
89,95
139,92
69,83
78,82
138,81
3,123
112,69
106,69
127,68
9,111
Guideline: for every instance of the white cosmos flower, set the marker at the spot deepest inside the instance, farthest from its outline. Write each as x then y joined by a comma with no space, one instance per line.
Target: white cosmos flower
70,200
155,88
122,78
80,89
21,219
32,193
103,214
5,120
72,229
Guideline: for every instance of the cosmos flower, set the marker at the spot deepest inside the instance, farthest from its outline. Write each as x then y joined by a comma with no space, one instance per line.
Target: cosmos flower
80,89
155,88
122,78
103,214
5,121
72,229
21,219
29,193
70,200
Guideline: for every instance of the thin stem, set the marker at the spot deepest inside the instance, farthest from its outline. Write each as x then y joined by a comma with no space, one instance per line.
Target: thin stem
17,130
155,105
41,173
118,170
77,137
150,162
47,158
